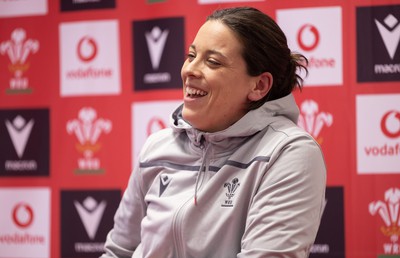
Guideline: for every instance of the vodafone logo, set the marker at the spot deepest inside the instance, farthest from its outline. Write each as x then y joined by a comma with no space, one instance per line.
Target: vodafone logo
390,124
22,215
89,56
317,33
155,124
25,228
308,37
378,147
87,49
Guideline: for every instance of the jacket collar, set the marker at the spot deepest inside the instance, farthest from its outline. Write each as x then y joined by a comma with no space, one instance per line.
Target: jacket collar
251,123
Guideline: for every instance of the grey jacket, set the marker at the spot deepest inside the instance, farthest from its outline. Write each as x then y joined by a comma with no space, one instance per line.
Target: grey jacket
255,189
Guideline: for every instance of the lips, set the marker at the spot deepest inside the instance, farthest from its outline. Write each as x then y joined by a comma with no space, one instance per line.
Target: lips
195,93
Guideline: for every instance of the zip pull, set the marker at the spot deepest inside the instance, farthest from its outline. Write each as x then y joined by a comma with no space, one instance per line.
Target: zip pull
199,141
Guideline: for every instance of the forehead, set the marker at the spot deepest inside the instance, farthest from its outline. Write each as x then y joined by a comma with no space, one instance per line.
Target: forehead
216,35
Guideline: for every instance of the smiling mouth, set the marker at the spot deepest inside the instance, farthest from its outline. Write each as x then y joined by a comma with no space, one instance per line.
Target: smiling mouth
195,93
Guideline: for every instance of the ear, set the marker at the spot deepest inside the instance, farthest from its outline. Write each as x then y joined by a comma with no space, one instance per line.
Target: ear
262,86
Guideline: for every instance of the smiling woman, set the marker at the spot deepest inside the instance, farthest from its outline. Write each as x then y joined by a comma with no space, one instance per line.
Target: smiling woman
233,176
216,54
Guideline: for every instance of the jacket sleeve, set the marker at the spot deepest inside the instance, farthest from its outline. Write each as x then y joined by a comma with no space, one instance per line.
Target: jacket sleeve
124,238
285,213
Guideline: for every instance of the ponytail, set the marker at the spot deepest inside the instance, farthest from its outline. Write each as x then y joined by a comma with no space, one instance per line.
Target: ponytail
298,62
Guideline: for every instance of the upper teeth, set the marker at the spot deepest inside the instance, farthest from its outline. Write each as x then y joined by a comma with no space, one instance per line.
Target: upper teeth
192,91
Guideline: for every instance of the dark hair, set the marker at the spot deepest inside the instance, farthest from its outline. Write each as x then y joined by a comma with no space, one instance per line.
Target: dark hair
265,49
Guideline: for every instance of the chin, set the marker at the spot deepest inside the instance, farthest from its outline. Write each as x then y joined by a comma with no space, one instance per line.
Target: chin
190,117
187,114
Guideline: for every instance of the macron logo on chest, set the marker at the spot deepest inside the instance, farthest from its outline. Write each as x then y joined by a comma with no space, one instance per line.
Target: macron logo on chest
164,182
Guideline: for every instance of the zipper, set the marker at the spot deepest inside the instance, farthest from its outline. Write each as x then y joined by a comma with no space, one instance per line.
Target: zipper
202,171
177,230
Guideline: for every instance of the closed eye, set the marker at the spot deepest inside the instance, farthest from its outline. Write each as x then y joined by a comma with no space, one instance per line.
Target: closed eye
213,62
191,56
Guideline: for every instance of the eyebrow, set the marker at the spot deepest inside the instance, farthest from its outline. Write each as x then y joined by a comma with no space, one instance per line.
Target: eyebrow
211,51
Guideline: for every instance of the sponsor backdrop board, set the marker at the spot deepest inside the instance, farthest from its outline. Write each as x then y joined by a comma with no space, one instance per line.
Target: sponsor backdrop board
84,83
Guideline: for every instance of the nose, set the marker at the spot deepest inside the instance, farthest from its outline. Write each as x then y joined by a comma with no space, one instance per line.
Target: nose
191,68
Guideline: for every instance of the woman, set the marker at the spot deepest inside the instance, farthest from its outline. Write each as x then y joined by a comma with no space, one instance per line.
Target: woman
234,176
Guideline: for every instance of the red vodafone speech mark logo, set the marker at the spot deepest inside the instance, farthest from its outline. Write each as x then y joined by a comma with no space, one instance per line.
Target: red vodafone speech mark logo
22,215
393,117
87,49
310,29
155,124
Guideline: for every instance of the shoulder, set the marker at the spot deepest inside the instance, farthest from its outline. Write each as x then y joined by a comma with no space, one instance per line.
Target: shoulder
285,140
282,132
